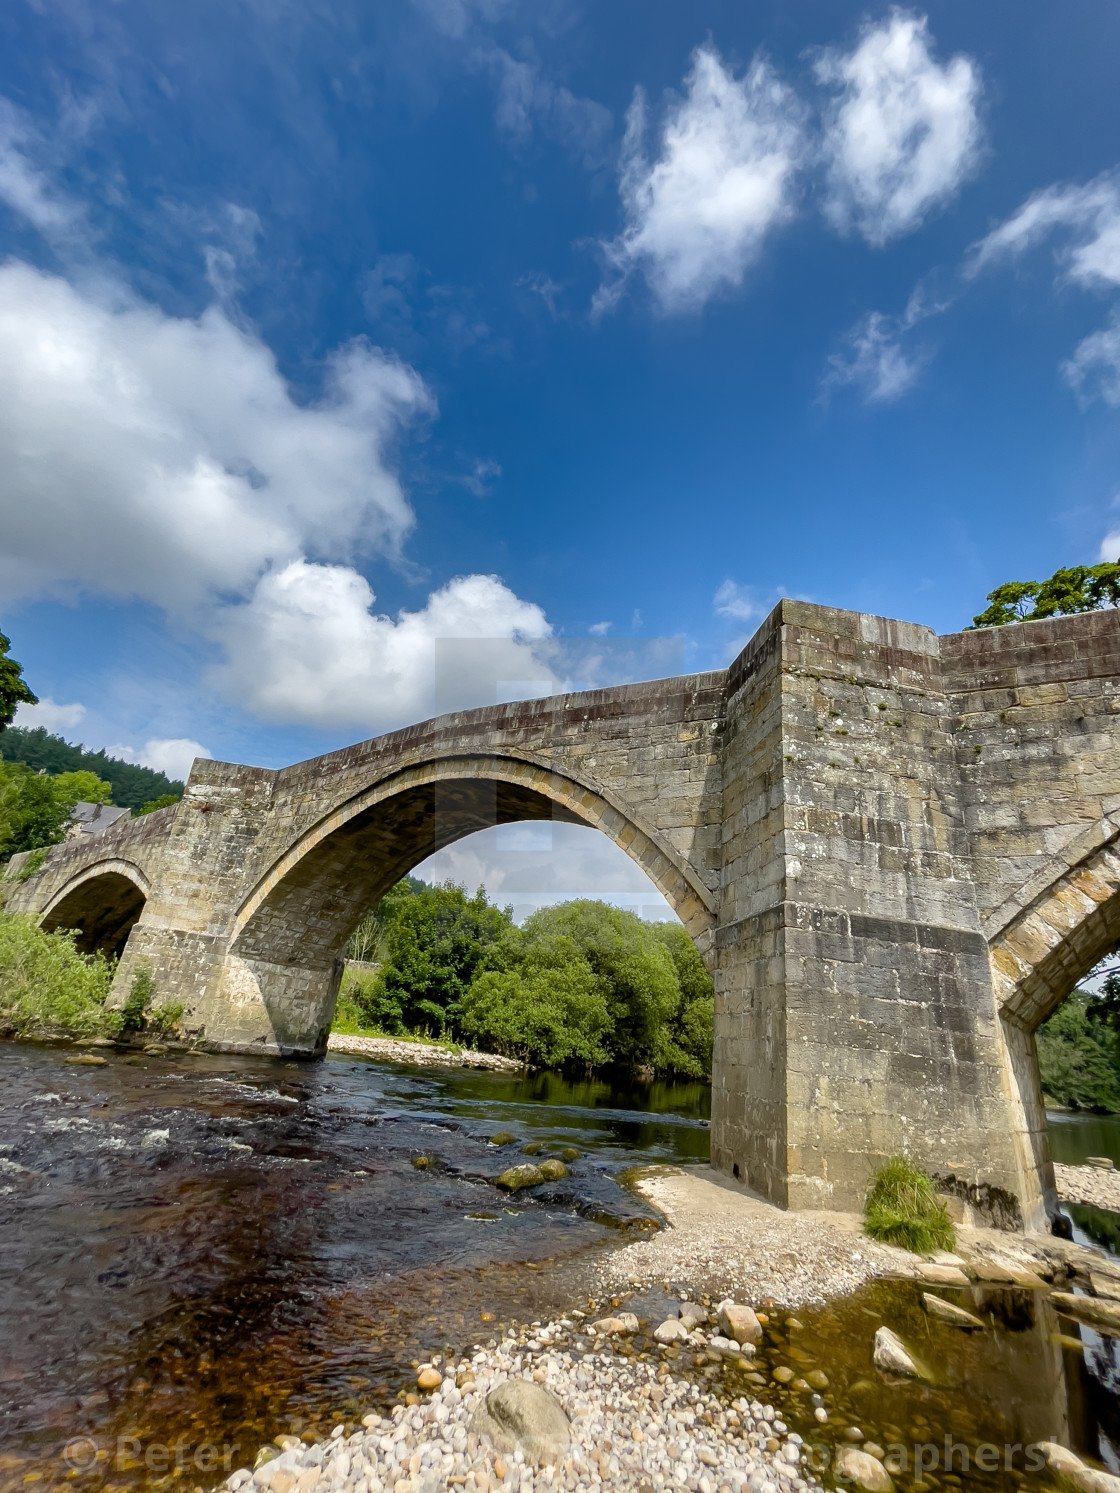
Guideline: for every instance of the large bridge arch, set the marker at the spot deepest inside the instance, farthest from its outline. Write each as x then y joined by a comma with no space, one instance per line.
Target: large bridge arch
289,934
102,902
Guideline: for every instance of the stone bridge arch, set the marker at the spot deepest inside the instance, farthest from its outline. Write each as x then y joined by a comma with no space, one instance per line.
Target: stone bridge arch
103,902
289,934
1038,956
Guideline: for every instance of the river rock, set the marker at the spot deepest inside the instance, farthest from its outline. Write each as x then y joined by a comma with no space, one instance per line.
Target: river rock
1095,1309
673,1330
514,1178
503,1138
943,1275
1071,1473
692,1314
521,1415
1105,1163
624,1323
553,1171
739,1322
893,1357
948,1312
88,1060
853,1466
429,1378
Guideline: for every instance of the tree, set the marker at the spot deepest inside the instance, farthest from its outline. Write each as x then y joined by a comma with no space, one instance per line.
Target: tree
35,808
1080,588
132,785
13,688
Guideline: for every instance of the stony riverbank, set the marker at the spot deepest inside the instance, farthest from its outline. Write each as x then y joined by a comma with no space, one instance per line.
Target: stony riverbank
422,1054
1098,1187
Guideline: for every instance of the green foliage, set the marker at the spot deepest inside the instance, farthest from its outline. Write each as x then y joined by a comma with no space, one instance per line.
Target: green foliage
131,786
582,984
35,808
164,801
1079,1055
902,1208
13,687
140,995
33,864
46,984
1079,588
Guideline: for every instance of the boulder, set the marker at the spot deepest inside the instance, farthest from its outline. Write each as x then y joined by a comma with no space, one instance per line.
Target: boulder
624,1323
862,1469
522,1415
1072,1474
672,1330
552,1171
514,1178
892,1355
1095,1309
739,1322
503,1138
948,1312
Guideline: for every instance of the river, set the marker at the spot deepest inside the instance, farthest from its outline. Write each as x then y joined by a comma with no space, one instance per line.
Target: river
213,1250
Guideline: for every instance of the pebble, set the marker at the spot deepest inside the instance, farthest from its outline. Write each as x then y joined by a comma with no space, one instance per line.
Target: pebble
1088,1184
420,1053
633,1426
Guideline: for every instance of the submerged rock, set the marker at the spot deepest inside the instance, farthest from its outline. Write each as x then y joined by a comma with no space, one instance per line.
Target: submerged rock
514,1178
553,1171
862,1469
522,1416
503,1138
1072,1474
87,1060
893,1357
948,1312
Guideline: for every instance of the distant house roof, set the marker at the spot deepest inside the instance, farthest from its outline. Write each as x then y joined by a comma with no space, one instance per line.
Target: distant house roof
94,819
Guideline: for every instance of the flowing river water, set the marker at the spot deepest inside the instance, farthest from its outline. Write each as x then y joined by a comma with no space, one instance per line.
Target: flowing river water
206,1251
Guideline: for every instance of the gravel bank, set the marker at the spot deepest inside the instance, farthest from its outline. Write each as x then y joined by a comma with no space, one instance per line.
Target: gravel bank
1088,1184
632,1425
421,1054
724,1240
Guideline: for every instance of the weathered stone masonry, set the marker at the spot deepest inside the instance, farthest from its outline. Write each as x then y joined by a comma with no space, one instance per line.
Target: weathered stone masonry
897,852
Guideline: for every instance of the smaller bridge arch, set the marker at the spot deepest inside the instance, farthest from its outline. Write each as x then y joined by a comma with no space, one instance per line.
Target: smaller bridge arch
102,903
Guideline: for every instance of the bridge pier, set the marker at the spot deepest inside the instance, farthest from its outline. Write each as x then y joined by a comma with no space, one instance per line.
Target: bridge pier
897,853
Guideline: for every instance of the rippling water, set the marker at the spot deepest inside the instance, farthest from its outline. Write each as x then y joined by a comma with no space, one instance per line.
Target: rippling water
217,1247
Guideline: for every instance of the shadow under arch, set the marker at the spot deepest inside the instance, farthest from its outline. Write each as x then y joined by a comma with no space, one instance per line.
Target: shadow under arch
102,904
1037,959
290,932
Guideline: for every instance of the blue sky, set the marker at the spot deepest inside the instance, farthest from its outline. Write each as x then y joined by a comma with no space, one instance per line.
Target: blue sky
328,331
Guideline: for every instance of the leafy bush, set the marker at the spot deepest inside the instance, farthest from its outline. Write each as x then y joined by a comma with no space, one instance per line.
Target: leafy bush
46,983
902,1208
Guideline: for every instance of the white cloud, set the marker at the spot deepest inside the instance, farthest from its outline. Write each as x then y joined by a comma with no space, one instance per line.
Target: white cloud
697,215
23,188
902,134
875,358
531,865
1096,361
156,457
50,715
599,629
306,647
528,100
171,755
736,602
1088,214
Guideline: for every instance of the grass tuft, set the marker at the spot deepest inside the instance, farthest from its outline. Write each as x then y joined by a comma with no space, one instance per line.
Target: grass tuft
902,1208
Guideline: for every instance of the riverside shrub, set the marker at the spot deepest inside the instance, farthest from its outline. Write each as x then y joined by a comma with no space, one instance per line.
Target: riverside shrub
1079,1057
46,983
902,1208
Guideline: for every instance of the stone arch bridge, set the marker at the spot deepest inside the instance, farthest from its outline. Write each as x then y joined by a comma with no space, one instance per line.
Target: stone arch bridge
897,853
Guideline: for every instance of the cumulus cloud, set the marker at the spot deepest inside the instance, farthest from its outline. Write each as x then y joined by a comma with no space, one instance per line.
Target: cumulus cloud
1095,364
698,213
876,357
50,715
528,100
164,458
171,755
736,602
903,132
307,647
25,189
1088,216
